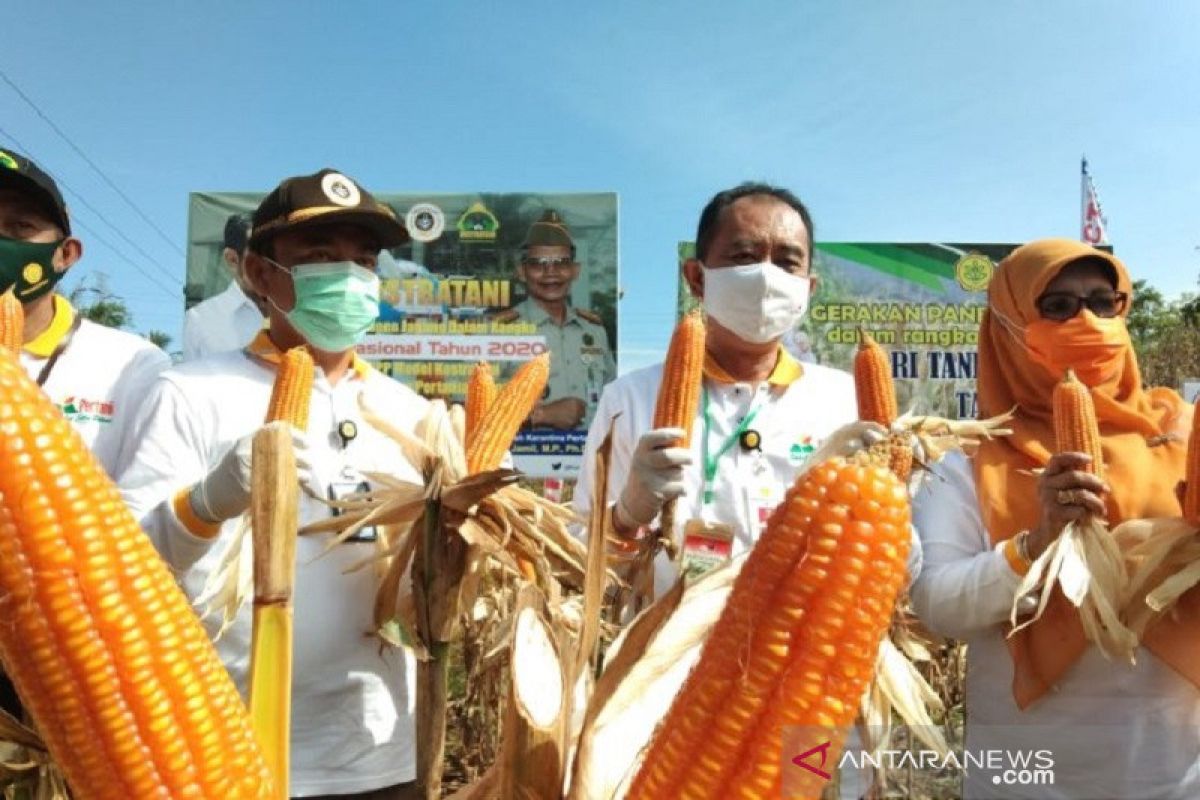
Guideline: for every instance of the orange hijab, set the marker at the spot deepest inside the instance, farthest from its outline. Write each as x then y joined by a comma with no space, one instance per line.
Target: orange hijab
1142,463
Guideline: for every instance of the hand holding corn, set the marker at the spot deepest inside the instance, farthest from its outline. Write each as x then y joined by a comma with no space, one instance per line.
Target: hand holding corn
655,476
225,492
1066,476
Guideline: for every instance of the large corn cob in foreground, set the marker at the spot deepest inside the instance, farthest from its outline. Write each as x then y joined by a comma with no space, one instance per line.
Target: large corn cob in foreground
797,640
481,393
103,647
679,392
1075,426
504,417
12,323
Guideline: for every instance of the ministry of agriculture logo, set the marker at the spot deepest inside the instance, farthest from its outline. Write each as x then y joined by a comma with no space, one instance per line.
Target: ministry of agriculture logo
974,272
425,222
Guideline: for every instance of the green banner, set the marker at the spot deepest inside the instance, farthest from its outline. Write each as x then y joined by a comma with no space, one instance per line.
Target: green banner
922,302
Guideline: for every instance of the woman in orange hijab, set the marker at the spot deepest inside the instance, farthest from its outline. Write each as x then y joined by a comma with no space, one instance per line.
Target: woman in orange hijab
1104,729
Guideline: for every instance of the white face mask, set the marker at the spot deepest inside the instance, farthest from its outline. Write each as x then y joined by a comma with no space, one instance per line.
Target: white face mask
758,302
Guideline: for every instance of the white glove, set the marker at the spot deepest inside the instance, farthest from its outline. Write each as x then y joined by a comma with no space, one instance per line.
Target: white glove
225,492
655,476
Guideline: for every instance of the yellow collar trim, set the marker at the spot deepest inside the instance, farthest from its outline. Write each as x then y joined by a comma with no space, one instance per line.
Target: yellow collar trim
786,372
45,343
264,349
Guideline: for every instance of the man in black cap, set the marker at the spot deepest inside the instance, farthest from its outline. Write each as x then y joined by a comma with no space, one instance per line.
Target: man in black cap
96,375
312,256
581,361
230,319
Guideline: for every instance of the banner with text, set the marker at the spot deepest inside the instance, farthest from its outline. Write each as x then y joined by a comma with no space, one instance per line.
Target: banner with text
923,303
468,289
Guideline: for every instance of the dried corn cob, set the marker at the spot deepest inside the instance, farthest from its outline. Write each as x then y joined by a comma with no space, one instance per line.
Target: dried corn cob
504,417
849,519
1075,428
679,392
12,322
481,393
876,394
873,385
1191,492
105,651
292,392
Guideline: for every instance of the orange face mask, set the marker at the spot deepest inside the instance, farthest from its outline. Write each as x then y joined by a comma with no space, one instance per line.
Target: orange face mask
1094,347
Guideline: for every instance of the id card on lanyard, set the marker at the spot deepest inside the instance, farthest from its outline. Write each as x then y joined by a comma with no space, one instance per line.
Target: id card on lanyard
707,543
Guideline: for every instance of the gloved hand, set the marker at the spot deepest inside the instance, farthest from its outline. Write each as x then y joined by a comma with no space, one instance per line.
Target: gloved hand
655,476
225,491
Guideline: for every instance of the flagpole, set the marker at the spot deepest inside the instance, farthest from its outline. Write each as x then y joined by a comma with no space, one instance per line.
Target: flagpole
1083,198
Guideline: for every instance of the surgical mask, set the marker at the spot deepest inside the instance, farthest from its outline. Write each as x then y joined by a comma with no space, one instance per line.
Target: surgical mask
1094,347
336,303
758,302
29,267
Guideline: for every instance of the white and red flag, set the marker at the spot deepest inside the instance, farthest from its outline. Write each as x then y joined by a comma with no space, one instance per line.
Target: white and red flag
1093,226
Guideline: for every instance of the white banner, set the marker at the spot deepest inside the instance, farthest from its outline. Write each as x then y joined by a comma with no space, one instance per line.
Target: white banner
436,347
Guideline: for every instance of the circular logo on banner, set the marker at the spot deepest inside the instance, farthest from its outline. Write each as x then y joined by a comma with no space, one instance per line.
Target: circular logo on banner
340,190
974,272
425,222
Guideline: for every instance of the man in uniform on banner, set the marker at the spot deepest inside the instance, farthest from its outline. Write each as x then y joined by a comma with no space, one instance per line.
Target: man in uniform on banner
581,361
228,320
312,255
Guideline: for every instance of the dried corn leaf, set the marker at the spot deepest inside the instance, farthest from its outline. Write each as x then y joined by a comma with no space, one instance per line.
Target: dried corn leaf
1085,563
231,583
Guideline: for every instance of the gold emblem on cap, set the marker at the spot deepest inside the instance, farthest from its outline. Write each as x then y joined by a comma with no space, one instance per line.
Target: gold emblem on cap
340,190
32,273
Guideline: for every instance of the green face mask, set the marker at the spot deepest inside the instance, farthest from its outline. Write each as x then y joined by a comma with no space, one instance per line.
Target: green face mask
336,303
28,268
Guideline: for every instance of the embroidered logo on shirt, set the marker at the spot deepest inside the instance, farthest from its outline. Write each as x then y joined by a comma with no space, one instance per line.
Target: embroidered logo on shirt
77,410
801,450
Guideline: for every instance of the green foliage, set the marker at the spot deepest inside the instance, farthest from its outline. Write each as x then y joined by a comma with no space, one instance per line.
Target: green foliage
1166,336
92,298
159,339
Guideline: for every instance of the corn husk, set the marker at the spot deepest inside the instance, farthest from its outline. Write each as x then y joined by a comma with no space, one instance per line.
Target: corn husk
1163,559
1086,564
26,769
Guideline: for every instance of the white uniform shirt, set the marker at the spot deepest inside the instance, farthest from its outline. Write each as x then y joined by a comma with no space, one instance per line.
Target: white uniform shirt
224,322
797,409
1113,731
352,703
99,380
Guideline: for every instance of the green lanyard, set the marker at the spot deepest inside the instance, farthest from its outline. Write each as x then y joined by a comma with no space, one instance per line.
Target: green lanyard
710,462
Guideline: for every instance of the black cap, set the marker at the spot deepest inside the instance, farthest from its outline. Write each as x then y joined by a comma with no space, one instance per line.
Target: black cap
18,171
323,197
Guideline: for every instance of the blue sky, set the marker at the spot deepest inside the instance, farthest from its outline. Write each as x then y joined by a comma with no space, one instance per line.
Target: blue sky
919,121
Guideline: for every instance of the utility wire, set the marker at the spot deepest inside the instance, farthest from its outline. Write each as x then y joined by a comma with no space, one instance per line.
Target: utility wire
137,209
83,201
173,292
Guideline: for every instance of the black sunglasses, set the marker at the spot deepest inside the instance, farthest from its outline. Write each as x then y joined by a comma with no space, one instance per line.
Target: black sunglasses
1064,305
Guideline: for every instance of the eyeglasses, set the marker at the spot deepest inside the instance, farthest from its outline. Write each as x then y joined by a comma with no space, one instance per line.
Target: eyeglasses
1064,305
543,264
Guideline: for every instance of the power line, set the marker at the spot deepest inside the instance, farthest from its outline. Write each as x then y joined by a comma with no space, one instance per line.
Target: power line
83,201
170,242
173,292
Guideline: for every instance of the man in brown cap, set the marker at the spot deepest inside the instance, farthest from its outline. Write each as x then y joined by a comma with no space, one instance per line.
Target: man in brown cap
313,250
581,361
